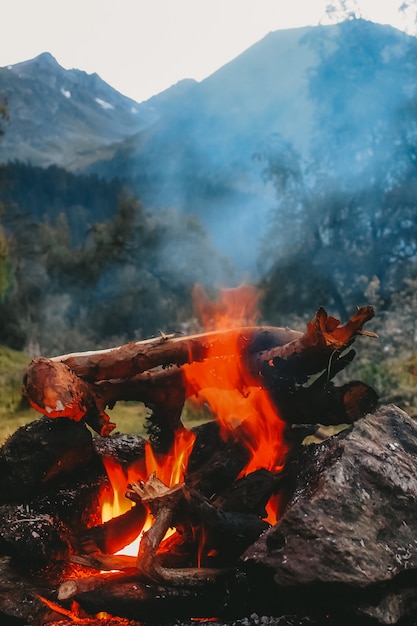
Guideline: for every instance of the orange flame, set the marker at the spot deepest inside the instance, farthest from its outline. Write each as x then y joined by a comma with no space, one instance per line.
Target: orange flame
224,383
235,307
169,468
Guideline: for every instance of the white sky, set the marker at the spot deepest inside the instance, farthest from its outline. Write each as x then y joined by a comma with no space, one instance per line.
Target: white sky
141,47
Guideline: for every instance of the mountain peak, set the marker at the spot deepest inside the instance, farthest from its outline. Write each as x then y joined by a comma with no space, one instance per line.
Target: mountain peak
45,57
44,61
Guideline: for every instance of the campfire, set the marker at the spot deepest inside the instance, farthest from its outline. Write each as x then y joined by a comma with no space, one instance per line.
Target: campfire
181,524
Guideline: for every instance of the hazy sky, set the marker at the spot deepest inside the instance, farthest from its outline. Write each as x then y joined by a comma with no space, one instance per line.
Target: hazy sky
141,47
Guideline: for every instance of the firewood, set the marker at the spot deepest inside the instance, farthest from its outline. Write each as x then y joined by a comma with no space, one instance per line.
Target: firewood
227,534
81,385
159,603
141,356
104,562
314,351
73,586
251,493
328,405
116,533
64,385
163,502
40,454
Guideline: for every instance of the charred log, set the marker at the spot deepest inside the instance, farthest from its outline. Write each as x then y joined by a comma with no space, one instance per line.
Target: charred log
42,454
214,462
123,449
327,405
157,603
251,493
313,352
33,536
112,536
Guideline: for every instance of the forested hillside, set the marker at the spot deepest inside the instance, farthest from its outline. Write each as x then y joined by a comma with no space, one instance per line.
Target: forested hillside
83,264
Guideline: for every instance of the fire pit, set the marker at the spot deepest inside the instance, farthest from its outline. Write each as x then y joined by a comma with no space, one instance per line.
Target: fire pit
226,520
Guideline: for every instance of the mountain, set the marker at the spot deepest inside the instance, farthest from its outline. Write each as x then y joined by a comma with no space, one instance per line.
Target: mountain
65,117
323,90
331,94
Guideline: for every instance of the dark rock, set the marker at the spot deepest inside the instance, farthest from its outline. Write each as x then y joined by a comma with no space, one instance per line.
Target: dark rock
41,454
34,538
352,522
122,448
20,602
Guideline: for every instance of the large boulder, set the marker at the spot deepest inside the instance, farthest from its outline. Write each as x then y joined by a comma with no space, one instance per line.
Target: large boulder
351,524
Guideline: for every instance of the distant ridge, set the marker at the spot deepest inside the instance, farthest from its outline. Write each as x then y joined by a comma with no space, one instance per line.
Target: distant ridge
66,117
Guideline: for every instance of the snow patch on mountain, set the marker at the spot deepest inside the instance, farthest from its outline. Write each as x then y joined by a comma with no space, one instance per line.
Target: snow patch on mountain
106,105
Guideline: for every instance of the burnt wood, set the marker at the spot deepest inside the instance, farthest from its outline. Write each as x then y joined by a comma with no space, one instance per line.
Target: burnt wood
42,454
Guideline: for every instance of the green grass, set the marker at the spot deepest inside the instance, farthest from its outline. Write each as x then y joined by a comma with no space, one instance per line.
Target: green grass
14,412
394,379
130,417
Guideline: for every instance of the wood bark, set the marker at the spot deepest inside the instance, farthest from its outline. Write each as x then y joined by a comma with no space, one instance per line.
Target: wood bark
141,356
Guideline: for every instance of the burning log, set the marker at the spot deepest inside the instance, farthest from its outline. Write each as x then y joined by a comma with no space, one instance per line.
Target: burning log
141,356
115,534
82,385
105,562
164,503
314,351
76,586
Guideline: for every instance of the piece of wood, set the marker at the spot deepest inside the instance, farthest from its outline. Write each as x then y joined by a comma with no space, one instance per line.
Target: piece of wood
104,562
227,534
82,385
325,340
251,493
328,405
40,454
73,586
163,502
141,356
115,534
215,462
